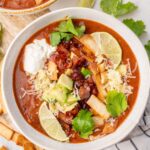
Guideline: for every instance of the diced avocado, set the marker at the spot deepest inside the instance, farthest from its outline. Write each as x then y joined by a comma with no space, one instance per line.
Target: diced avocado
57,93
72,99
70,107
65,81
46,96
60,93
65,108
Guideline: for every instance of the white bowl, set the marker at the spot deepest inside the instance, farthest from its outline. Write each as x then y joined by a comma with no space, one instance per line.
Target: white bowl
27,10
25,34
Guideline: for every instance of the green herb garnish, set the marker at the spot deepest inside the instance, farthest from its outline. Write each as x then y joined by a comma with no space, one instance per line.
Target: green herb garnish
55,38
70,27
85,72
116,103
147,47
138,27
66,36
117,7
125,8
81,29
65,31
86,3
83,123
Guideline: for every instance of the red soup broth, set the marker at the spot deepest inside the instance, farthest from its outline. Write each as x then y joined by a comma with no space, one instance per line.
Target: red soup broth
29,105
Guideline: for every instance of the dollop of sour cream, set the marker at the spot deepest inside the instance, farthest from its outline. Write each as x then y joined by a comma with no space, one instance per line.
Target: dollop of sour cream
36,54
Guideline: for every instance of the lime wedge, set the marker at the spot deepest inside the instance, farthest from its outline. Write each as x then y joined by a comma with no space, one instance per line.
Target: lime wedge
108,46
86,3
50,124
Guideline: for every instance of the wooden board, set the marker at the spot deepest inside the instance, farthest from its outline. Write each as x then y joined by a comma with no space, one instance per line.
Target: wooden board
12,26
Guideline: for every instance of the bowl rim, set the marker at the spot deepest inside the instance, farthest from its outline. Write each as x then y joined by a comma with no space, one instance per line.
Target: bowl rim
130,121
27,10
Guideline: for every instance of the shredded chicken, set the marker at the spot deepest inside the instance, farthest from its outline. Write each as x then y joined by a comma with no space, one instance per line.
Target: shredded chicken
86,52
96,77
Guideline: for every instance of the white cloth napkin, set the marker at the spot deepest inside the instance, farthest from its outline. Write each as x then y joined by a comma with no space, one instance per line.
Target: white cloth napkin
139,138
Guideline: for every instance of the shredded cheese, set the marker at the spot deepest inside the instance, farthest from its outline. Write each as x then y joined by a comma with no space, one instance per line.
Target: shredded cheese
111,121
28,92
76,91
119,79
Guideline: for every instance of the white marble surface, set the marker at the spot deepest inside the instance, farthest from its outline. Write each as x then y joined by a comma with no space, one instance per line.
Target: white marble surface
143,12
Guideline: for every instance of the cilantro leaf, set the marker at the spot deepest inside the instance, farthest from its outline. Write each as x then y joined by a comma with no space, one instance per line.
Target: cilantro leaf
147,47
55,38
65,31
116,7
67,26
110,6
66,36
62,27
137,27
85,72
71,27
125,9
116,103
83,123
81,29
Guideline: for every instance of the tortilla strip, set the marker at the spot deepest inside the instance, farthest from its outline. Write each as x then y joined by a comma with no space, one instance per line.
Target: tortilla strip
97,79
89,55
19,139
28,146
22,141
6,132
86,52
3,148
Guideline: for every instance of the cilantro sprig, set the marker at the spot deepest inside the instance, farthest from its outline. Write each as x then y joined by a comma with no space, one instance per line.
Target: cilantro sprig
83,123
85,72
147,47
117,7
116,103
65,31
138,27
